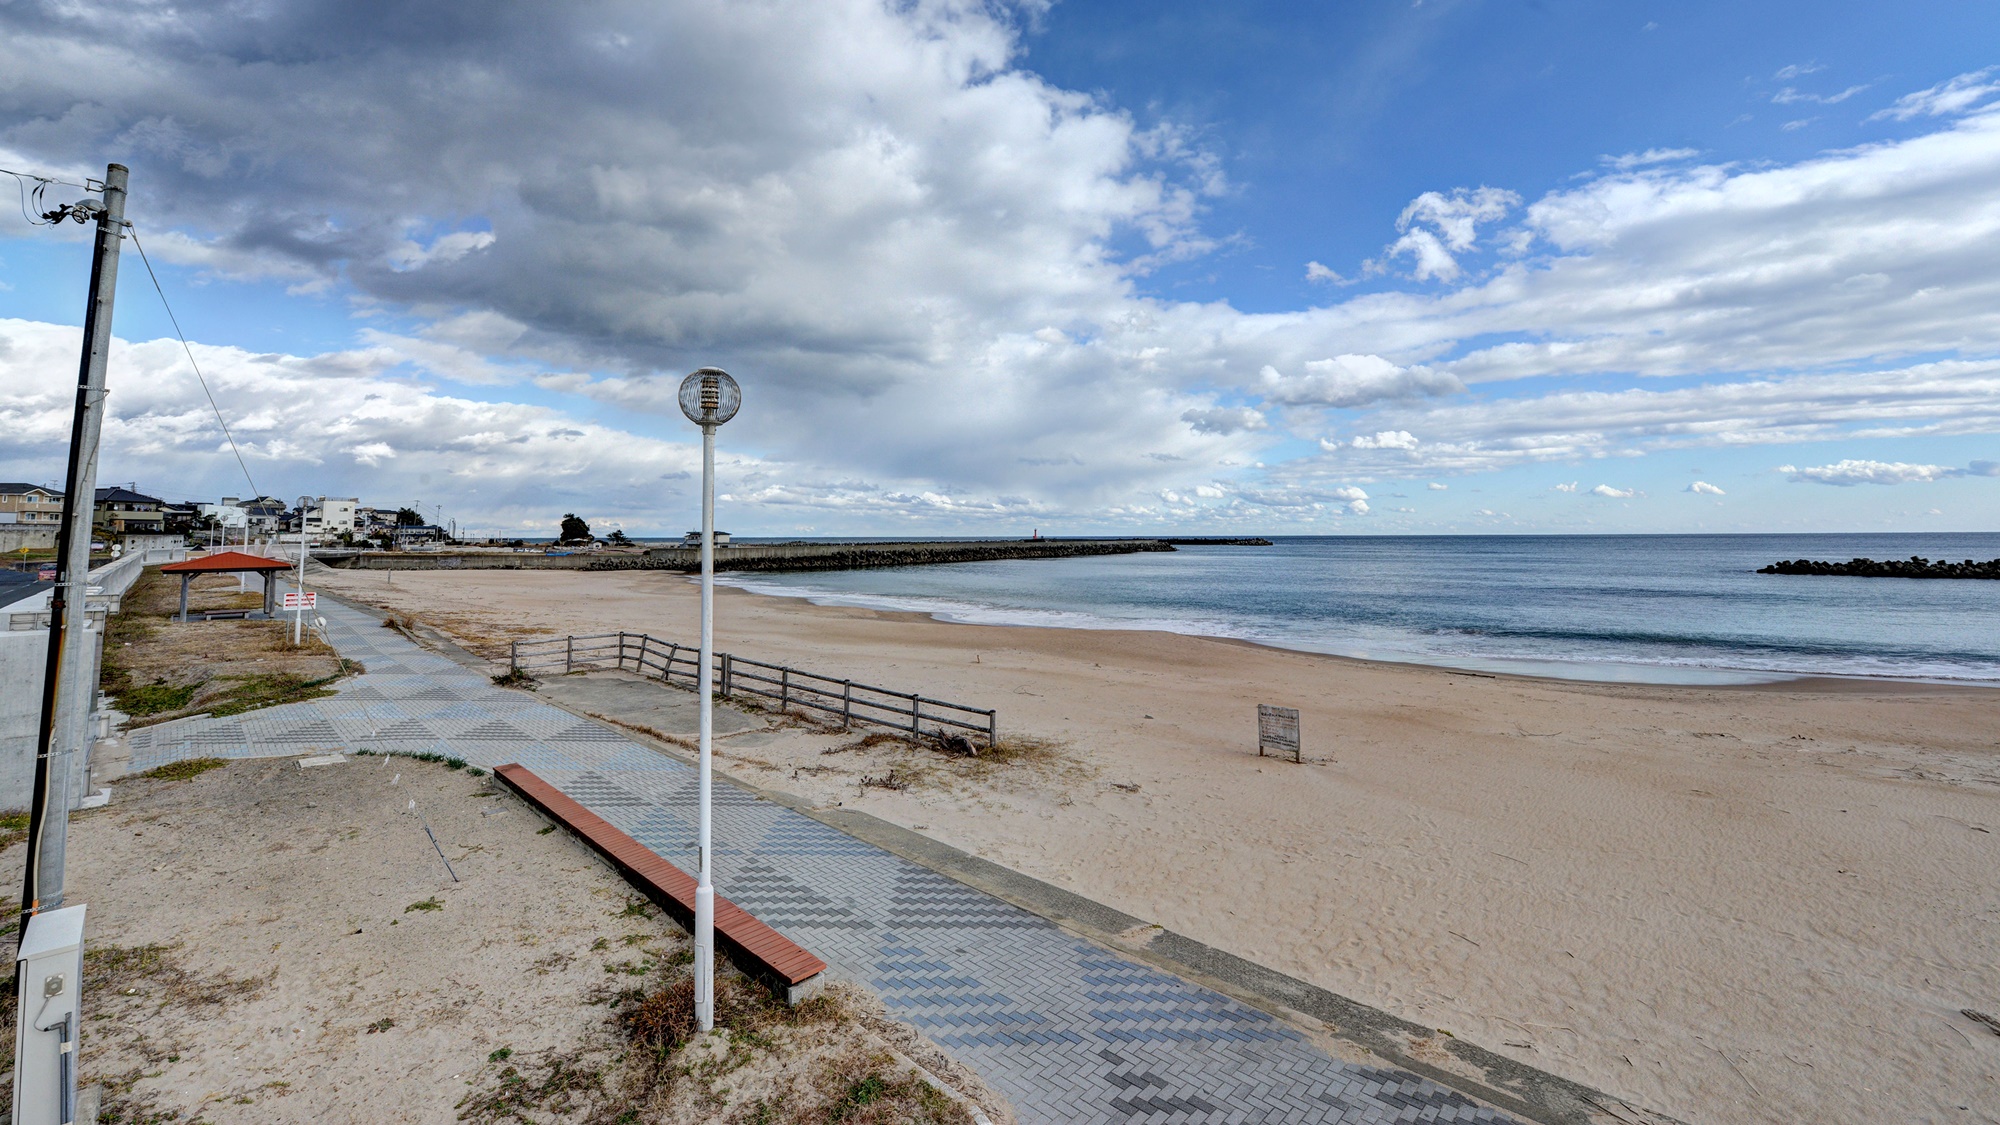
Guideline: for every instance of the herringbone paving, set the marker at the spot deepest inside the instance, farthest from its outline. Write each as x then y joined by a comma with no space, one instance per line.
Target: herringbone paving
1067,1031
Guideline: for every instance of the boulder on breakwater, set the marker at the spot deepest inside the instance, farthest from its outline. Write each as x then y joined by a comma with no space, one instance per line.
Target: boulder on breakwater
857,556
1916,566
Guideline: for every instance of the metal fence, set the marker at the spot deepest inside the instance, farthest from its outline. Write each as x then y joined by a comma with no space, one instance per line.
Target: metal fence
734,676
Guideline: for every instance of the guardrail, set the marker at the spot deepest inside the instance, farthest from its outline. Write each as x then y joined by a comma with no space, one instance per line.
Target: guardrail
734,675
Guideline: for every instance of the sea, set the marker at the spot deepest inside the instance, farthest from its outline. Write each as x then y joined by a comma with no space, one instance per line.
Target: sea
1687,609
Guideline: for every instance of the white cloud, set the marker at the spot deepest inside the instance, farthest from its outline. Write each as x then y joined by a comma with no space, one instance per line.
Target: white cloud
1353,380
1224,419
1566,486
1631,160
1387,439
1614,493
1434,486
1790,96
1449,223
1798,70
1852,472
1703,488
1317,272
1957,95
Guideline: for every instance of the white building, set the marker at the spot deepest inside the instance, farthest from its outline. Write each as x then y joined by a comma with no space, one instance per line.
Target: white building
331,515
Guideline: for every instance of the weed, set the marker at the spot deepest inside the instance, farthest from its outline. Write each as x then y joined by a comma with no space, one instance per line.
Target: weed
890,781
269,689
185,770
13,828
430,903
545,829
600,945
500,1055
637,908
515,678
158,696
381,1025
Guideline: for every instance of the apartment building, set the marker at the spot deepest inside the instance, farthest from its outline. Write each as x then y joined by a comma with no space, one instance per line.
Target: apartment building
30,504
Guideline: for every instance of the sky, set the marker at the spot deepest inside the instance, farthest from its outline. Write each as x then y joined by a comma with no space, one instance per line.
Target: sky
985,267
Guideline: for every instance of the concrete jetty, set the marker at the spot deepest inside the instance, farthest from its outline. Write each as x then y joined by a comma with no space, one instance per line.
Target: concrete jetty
753,556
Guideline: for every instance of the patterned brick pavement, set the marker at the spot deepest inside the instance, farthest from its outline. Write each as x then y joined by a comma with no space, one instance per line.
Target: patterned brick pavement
1067,1031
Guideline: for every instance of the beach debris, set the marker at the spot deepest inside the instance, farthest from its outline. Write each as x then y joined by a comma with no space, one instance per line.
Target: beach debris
888,781
952,742
321,760
1125,786
1979,1017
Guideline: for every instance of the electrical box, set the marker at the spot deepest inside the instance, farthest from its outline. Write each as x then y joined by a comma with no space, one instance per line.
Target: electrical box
49,983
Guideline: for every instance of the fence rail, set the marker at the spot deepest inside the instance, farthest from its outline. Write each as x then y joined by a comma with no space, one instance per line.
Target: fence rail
734,675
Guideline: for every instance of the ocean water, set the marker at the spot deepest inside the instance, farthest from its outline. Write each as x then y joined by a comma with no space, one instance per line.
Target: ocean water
1662,609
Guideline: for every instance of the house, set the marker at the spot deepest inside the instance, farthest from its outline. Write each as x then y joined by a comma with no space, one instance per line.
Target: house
693,539
121,510
264,516
30,504
330,517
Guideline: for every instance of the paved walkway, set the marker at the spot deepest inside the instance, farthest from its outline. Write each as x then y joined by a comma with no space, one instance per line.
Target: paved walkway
1067,1031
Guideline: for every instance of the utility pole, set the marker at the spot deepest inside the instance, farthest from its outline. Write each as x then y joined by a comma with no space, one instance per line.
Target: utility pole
48,968
299,618
65,697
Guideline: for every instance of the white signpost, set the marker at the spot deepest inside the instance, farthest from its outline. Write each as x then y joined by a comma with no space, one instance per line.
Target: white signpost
302,602
1277,732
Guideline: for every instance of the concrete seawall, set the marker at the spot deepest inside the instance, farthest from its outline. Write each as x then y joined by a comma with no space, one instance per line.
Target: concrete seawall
760,556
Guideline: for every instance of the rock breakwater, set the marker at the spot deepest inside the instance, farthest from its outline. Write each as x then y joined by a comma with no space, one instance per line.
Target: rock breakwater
1916,566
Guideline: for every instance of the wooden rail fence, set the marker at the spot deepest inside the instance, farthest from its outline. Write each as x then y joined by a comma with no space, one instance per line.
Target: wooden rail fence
734,675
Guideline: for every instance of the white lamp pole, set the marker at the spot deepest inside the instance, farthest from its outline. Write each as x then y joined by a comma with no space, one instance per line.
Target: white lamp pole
709,397
299,616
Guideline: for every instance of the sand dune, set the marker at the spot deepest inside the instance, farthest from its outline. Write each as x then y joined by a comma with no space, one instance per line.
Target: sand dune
1725,904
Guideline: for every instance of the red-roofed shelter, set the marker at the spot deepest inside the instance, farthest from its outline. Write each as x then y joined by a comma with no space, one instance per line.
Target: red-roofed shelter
227,562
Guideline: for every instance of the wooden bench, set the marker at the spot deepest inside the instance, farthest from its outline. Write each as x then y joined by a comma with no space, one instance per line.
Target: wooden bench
753,947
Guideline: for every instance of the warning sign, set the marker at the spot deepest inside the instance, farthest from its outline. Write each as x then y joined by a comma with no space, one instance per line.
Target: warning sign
1277,732
296,600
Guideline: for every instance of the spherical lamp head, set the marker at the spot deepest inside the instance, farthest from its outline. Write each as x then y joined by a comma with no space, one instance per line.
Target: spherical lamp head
709,397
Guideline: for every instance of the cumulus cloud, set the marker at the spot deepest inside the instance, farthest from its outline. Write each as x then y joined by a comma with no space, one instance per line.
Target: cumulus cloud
1387,439
1353,380
1224,419
1957,95
1566,486
1631,160
1434,486
1703,488
1614,493
1436,226
1852,472
1318,272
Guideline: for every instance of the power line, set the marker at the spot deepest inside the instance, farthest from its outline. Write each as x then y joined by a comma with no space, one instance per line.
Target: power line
254,491
38,217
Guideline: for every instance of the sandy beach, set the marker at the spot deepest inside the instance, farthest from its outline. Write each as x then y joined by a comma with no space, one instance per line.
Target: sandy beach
1725,904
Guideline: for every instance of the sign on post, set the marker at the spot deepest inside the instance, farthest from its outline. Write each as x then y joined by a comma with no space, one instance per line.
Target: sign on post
296,600
1277,732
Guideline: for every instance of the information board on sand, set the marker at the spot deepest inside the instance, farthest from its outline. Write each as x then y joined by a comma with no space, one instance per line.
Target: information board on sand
1277,732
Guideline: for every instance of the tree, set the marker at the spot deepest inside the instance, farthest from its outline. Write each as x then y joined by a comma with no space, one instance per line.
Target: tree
617,538
408,517
574,530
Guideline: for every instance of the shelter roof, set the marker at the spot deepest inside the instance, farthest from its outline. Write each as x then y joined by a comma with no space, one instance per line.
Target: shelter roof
225,561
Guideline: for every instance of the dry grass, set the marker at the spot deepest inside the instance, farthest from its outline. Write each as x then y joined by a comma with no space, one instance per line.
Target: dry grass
818,1063
185,770
158,669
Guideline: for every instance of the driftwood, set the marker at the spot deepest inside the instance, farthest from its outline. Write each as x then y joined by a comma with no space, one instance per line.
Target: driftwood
952,742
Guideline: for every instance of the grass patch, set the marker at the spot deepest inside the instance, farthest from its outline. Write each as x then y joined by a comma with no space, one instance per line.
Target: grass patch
428,904
185,770
151,699
13,828
515,678
270,689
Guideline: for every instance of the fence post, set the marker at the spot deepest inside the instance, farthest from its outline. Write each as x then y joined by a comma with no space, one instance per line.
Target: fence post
992,729
784,688
569,654
914,713
618,662
514,654
673,654
846,704
726,669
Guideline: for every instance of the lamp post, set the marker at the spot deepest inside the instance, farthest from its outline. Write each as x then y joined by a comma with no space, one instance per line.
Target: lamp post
299,617
709,397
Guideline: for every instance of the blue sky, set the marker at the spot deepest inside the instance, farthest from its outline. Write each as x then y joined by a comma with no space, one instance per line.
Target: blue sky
1086,267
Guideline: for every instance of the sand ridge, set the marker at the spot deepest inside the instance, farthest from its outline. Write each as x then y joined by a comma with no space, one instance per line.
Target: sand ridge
1726,904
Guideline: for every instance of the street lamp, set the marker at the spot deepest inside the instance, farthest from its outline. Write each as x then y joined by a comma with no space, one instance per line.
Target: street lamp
709,397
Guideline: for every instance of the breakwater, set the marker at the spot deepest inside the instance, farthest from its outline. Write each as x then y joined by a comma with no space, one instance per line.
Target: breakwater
752,556
1916,566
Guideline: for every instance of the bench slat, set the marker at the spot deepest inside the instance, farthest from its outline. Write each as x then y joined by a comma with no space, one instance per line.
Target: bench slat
751,945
